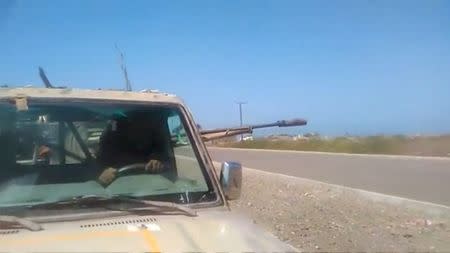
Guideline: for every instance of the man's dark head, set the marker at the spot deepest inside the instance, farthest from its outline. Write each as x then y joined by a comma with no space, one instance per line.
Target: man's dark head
142,129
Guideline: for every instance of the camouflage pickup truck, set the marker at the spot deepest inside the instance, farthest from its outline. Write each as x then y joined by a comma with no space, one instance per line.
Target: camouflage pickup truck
115,171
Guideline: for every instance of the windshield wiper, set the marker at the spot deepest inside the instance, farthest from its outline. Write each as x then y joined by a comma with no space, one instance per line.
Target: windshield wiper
147,204
29,224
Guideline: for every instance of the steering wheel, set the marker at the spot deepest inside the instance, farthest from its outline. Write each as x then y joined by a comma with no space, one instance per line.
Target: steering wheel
130,167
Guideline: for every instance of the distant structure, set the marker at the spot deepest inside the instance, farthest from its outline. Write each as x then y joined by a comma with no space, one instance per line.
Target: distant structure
280,137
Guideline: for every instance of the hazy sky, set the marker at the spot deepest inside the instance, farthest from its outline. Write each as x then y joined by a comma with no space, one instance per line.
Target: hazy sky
359,67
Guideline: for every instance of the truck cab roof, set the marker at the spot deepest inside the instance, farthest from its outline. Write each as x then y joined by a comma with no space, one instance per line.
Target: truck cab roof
99,94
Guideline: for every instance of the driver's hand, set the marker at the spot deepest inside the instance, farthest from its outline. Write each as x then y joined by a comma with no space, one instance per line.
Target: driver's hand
44,151
154,166
107,176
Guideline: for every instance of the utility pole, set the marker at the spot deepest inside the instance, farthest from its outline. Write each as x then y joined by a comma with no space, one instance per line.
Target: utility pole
240,103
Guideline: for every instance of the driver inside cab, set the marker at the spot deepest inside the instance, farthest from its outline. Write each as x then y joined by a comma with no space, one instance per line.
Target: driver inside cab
137,137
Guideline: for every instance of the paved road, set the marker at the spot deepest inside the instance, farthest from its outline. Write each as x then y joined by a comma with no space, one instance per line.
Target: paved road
425,179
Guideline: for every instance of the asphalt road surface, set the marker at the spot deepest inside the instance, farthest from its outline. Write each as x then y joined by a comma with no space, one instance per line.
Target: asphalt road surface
424,179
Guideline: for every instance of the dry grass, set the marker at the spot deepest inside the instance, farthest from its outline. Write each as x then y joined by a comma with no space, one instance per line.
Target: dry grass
395,145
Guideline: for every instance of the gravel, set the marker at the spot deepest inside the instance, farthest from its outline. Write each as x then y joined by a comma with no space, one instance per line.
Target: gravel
318,217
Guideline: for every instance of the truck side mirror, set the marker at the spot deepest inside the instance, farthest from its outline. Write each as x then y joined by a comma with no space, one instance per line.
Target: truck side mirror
231,179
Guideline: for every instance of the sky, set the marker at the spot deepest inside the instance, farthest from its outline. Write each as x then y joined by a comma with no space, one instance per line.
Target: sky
349,67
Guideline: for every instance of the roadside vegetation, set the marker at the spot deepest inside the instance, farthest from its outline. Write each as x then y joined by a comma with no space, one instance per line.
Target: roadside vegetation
393,145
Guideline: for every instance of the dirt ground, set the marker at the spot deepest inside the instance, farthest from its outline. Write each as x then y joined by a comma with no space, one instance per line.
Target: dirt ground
318,217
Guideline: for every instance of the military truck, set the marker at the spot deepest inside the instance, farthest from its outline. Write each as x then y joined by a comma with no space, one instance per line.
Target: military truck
116,171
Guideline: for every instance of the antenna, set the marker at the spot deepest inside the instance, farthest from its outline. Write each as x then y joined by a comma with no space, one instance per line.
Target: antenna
44,78
124,69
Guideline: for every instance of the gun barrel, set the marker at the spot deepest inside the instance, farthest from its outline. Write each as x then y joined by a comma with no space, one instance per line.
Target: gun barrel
225,132
282,123
220,135
220,130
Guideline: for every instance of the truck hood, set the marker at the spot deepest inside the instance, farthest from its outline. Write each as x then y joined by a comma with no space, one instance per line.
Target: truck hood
211,231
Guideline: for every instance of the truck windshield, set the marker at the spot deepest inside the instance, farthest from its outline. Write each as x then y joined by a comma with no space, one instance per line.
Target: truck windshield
55,151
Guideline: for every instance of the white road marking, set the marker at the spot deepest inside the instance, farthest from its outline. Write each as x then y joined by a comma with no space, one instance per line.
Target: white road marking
335,154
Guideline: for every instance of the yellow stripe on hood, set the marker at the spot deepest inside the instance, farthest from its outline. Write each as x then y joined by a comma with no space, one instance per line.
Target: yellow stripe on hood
149,238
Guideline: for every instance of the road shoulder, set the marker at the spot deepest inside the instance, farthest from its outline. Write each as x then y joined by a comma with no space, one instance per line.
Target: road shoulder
314,216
